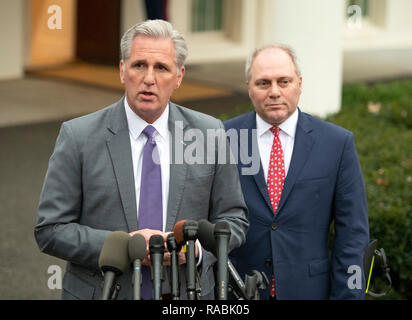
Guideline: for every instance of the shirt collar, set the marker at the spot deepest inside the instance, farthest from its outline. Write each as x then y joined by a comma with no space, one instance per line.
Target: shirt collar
137,124
288,126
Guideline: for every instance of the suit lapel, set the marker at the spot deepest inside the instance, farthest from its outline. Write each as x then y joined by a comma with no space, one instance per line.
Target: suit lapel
118,143
259,178
178,167
301,151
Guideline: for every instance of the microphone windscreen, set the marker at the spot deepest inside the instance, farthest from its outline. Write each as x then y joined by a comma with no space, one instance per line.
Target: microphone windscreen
222,227
156,244
190,230
137,247
114,255
178,231
206,236
190,224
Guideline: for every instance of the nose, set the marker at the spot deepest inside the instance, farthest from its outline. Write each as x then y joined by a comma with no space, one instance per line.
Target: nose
149,78
274,91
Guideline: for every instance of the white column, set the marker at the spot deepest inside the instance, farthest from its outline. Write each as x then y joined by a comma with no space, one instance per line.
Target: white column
133,11
314,29
398,16
11,39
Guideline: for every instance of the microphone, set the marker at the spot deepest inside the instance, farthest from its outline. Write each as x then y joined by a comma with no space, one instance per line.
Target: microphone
174,250
178,232
186,231
222,236
208,241
137,252
157,249
113,260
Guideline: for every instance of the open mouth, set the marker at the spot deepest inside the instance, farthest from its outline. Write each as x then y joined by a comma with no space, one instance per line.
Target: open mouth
147,94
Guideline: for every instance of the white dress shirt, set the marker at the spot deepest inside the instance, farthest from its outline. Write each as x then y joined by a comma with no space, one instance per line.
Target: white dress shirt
286,136
138,140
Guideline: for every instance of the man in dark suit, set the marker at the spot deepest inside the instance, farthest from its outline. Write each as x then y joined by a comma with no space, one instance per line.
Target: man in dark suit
99,179
303,174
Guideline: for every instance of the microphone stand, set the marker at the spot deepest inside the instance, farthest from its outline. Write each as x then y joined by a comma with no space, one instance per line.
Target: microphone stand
198,288
116,290
190,275
174,250
257,280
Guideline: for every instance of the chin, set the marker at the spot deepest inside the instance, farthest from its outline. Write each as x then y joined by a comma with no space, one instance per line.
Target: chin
277,118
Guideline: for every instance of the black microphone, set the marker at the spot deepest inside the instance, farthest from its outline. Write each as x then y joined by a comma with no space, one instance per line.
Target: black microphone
137,252
208,241
190,229
113,260
174,250
222,236
157,249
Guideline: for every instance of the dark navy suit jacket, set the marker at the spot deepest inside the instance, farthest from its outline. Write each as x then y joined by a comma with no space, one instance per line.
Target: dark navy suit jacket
324,184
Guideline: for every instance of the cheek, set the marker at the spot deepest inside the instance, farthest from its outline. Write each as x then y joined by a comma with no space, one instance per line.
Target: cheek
132,78
256,96
294,97
259,98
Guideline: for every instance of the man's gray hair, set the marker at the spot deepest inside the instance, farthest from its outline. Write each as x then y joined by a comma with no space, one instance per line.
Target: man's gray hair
290,52
155,29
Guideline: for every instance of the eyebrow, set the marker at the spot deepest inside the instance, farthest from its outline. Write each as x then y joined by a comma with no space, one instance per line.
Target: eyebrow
277,79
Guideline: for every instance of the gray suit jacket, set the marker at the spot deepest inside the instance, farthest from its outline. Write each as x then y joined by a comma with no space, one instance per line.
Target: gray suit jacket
89,192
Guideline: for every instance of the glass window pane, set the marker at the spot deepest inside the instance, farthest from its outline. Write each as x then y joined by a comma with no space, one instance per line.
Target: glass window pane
206,15
364,4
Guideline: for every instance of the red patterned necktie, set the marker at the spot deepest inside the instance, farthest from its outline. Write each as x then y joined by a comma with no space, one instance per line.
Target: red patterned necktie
276,178
276,172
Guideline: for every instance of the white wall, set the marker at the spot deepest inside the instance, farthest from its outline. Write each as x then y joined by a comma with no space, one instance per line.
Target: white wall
398,16
382,47
314,29
133,11
11,39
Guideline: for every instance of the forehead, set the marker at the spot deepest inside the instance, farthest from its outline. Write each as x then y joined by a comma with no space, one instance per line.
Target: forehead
272,63
158,48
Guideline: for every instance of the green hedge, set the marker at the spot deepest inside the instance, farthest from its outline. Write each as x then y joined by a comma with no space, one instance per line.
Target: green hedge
380,116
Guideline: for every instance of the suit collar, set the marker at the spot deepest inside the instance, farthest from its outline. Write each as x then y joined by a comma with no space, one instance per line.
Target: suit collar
249,123
178,168
304,140
118,144
117,120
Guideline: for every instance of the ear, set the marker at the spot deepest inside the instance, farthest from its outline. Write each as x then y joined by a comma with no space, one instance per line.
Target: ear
122,66
248,88
300,82
180,77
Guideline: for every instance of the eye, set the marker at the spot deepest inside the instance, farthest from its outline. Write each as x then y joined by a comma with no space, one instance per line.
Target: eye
162,67
284,82
138,65
263,83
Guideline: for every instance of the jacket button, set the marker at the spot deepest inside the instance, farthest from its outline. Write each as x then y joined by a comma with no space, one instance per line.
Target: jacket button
274,226
268,262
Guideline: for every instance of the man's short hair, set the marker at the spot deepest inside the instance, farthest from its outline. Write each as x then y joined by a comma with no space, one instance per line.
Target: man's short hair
290,52
155,29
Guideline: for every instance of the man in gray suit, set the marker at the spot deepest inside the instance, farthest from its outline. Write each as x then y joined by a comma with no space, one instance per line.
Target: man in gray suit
94,182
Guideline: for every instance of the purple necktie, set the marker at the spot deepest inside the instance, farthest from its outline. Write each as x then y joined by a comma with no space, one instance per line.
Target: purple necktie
150,203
